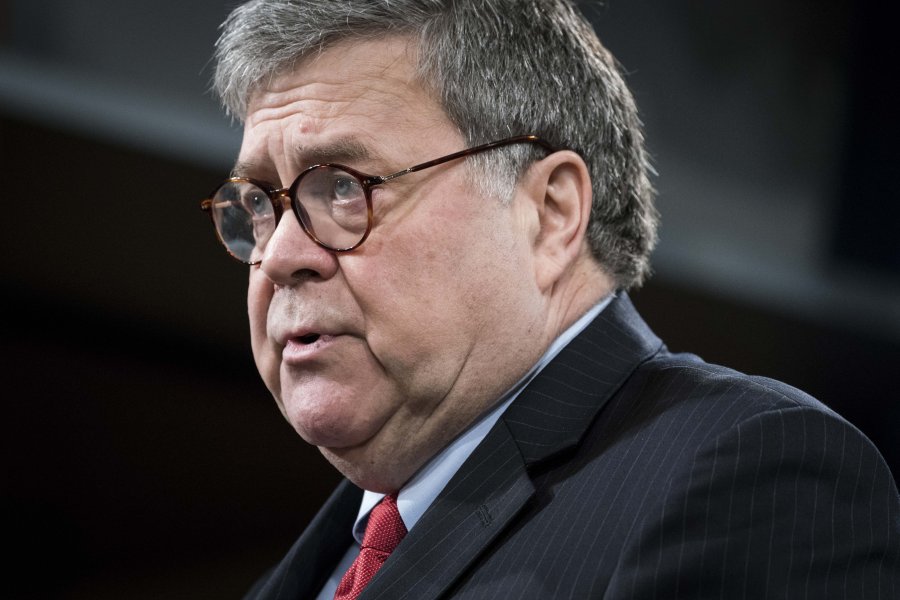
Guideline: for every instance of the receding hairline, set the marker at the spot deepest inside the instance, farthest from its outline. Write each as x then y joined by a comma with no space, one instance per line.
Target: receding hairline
409,41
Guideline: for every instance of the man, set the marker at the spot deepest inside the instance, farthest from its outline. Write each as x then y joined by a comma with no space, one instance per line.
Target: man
443,203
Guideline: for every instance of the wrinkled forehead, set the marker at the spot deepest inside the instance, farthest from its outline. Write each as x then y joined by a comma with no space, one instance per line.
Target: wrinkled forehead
365,66
367,92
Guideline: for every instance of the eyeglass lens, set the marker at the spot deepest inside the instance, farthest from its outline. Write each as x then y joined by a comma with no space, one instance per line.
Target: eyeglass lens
330,201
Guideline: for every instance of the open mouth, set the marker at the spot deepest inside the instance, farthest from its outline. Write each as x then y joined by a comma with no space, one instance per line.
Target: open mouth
309,338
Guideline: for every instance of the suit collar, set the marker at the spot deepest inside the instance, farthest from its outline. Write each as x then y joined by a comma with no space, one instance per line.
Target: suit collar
550,416
553,413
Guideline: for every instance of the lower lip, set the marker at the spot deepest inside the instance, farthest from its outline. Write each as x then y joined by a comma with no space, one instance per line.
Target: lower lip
296,351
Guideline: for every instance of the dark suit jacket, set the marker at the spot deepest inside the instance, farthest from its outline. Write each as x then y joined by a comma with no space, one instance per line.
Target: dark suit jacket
625,471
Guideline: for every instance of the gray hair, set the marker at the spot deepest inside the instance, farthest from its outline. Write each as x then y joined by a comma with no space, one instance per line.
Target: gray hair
498,68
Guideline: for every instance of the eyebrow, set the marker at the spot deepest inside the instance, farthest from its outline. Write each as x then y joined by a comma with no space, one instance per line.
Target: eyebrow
242,168
340,150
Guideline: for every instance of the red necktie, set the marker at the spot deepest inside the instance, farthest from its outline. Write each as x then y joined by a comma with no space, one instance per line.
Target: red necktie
384,531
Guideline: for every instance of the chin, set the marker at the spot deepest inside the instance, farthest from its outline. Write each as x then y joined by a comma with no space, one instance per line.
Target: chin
331,435
329,426
365,472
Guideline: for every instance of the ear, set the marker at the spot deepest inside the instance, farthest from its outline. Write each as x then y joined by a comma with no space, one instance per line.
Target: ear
559,186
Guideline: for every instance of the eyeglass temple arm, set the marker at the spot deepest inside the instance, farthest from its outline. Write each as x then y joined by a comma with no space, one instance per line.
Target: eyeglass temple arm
519,139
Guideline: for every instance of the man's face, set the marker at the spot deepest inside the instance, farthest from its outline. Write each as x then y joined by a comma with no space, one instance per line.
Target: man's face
380,356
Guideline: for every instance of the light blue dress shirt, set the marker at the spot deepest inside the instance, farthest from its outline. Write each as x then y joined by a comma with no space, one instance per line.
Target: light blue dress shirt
418,494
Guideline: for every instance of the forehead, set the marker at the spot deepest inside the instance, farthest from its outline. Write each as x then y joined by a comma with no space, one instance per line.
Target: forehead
366,95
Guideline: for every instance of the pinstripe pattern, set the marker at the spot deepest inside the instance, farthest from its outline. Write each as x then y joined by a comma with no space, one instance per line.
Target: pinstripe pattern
623,471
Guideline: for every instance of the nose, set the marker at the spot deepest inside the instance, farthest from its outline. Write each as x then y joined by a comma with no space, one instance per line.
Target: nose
291,256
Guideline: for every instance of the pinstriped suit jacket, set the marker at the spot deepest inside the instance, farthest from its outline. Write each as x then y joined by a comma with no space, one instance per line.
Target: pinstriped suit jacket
624,471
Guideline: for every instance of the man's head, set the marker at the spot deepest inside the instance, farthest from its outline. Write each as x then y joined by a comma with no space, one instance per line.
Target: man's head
381,355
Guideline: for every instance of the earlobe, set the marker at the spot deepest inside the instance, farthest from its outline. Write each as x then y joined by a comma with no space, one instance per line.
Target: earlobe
563,190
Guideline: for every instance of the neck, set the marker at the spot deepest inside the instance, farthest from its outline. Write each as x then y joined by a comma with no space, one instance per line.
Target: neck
574,294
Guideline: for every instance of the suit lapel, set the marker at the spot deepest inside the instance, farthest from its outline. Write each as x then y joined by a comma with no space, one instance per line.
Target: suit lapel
302,573
550,416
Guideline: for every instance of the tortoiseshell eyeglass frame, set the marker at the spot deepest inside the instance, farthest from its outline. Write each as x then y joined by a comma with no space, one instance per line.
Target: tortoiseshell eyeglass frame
367,182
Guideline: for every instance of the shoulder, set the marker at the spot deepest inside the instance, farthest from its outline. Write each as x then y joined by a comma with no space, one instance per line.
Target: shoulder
725,409
713,437
704,412
777,491
692,370
716,396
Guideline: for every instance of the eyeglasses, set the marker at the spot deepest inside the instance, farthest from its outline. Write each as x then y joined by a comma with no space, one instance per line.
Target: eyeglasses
332,202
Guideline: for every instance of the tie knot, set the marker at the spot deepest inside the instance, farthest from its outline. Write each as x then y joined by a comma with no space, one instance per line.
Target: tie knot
385,528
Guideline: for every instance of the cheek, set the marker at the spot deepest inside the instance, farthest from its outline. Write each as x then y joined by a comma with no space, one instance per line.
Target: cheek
419,313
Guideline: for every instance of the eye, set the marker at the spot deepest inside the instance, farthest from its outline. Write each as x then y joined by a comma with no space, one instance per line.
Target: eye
346,189
256,202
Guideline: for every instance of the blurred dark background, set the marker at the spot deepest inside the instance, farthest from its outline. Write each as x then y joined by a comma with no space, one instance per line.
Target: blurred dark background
142,458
